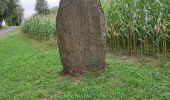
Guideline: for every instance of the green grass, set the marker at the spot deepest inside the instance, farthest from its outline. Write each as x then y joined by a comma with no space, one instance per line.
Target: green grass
30,70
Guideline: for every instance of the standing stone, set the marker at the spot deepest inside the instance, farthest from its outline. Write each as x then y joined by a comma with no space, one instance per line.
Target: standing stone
81,36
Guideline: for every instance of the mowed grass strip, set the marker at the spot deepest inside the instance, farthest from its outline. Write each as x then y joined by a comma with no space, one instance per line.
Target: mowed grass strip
30,70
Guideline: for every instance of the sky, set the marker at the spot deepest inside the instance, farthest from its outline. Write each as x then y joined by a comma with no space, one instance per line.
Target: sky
29,6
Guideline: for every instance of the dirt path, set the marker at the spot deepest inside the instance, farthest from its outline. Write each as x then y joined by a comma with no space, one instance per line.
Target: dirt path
4,31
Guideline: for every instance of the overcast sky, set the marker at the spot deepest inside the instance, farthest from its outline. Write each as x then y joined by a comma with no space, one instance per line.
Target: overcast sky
29,6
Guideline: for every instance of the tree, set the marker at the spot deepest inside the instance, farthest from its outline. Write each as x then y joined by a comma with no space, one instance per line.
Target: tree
53,10
41,7
81,36
7,8
16,18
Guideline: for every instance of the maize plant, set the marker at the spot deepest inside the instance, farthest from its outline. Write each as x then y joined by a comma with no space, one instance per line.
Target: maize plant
138,26
39,27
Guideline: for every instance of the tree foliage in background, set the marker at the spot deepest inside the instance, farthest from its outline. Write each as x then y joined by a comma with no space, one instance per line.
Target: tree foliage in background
53,10
16,18
138,26
8,8
41,7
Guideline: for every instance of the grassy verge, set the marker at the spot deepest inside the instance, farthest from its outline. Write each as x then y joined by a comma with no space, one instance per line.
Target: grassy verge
4,27
30,70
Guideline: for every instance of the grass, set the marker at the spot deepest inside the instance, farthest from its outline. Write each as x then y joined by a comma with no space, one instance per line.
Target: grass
4,27
30,70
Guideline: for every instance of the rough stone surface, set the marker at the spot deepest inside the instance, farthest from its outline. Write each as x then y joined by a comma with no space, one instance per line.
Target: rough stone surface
81,35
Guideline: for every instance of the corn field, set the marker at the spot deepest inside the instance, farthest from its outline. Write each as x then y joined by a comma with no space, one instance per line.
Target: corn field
133,26
39,27
138,26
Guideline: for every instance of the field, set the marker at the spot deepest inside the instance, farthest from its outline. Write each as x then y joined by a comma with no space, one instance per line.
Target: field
31,70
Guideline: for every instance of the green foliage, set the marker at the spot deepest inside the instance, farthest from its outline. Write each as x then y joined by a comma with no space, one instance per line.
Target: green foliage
39,26
16,18
41,7
53,10
31,71
138,26
8,8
